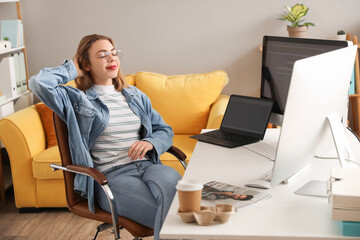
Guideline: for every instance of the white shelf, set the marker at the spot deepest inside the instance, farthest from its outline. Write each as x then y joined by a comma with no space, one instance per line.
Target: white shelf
11,50
14,98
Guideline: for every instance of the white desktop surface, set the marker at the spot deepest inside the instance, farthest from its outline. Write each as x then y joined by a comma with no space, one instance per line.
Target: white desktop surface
283,216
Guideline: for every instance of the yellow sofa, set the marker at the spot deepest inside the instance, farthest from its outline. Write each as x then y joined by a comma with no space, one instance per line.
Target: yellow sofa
188,103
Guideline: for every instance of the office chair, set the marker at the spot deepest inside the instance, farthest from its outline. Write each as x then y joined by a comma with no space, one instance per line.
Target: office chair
79,206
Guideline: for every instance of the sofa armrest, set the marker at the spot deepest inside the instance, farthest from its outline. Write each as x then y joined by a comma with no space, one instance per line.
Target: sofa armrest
24,128
217,112
23,135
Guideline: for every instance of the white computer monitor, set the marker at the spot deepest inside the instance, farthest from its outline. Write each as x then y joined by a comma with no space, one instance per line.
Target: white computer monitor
319,87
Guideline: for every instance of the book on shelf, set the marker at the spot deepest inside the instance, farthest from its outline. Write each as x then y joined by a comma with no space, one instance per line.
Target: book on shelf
341,214
13,31
352,84
2,98
17,73
7,71
349,228
20,72
215,192
344,188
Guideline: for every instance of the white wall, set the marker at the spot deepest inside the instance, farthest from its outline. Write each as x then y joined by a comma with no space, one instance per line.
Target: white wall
176,36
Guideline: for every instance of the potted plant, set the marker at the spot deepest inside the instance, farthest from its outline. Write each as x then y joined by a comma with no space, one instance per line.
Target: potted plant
294,15
341,35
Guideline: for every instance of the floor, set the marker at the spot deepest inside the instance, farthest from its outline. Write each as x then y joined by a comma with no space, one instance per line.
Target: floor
54,224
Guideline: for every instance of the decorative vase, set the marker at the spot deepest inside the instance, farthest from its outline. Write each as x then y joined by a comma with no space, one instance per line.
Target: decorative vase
299,32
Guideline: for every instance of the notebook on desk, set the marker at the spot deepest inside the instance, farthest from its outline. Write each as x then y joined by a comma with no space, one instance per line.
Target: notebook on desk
244,122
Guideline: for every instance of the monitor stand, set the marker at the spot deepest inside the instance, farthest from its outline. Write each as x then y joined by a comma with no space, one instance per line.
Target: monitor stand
343,148
315,188
344,152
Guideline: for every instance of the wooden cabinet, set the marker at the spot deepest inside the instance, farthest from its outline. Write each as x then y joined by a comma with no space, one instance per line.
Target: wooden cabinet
9,87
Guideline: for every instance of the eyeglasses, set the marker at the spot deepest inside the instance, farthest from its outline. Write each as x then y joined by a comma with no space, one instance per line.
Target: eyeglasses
106,56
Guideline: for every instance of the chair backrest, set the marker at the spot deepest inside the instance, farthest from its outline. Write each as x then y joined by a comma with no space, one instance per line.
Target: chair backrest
76,203
63,143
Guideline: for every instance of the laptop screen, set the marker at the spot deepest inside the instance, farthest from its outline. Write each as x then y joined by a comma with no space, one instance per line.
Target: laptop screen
247,115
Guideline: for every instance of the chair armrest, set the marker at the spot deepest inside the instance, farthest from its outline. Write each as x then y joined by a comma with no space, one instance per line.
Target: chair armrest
102,180
88,171
179,155
217,112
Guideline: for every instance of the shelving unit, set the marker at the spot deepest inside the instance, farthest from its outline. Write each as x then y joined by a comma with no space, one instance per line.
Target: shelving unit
355,98
5,171
11,50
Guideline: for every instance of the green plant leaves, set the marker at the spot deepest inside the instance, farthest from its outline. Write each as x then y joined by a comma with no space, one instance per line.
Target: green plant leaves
295,14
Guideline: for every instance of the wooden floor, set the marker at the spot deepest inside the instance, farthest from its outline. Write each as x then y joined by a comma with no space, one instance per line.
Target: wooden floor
54,224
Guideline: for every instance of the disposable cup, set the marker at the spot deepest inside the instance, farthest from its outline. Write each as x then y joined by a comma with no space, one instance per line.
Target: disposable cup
189,192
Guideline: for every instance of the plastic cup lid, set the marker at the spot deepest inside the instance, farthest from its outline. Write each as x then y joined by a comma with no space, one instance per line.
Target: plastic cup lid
189,185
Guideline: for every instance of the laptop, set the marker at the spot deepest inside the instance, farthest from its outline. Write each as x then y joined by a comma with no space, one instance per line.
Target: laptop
244,122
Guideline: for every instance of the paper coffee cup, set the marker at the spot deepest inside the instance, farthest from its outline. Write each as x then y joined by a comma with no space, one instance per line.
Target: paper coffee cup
189,192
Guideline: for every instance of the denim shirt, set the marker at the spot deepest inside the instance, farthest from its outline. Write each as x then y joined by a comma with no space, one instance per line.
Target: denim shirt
87,116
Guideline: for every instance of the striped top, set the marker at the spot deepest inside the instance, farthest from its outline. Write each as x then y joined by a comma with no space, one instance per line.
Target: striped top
112,146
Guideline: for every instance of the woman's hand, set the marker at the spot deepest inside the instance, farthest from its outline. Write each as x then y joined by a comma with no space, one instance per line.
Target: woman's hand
139,149
80,72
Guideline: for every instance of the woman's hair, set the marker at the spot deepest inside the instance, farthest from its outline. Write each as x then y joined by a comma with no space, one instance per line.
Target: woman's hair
82,55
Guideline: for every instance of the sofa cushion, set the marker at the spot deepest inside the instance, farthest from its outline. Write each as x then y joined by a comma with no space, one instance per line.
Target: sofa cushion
46,117
186,145
41,162
183,101
130,79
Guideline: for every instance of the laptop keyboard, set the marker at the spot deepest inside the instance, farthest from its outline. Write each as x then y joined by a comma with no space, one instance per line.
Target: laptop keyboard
227,136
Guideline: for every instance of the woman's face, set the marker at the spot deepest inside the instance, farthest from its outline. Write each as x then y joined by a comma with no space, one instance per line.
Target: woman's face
104,63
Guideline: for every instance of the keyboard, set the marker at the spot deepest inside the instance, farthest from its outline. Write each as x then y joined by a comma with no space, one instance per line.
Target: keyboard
232,137
262,148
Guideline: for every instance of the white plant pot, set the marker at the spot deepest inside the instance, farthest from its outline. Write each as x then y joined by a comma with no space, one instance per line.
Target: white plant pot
341,37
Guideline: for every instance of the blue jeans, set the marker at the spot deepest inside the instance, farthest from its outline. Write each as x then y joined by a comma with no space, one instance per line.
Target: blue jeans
143,192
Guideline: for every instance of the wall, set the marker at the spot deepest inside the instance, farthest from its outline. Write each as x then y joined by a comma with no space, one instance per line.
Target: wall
176,36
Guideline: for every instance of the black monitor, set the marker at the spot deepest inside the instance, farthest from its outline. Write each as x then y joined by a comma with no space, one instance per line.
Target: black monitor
278,57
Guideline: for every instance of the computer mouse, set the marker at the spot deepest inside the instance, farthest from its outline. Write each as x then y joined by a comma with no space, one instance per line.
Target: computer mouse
259,183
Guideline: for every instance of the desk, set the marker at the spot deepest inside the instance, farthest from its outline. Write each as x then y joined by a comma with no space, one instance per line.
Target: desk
284,216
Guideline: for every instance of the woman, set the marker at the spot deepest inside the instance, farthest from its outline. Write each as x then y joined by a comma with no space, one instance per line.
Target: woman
113,128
